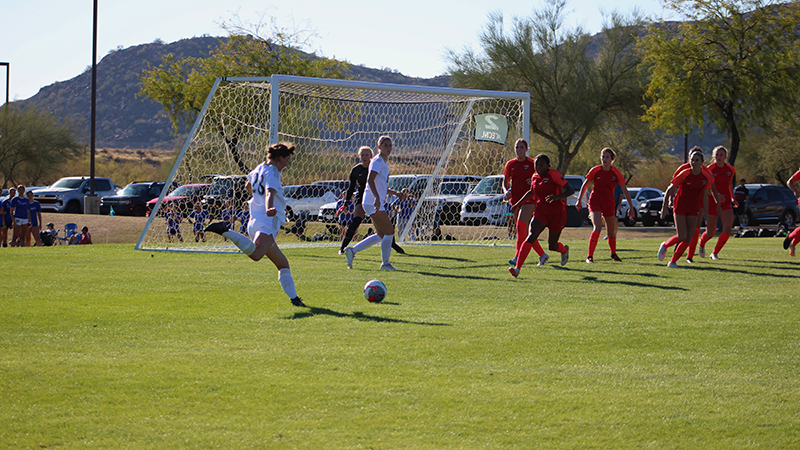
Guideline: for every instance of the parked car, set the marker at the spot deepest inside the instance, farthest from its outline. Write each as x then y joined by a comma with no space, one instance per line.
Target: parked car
421,182
184,196
226,188
132,200
66,194
769,203
448,202
650,213
639,195
576,218
485,204
341,185
308,199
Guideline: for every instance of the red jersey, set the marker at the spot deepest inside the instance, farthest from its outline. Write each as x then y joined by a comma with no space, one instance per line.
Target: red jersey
605,181
545,186
518,175
689,198
796,177
723,179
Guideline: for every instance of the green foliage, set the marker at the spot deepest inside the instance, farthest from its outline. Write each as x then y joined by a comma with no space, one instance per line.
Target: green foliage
33,143
183,84
734,63
575,81
145,350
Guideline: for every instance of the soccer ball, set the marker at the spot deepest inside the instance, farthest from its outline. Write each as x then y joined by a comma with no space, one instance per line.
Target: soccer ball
374,291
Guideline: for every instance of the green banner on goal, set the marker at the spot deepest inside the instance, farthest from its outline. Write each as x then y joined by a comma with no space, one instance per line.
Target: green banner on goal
491,127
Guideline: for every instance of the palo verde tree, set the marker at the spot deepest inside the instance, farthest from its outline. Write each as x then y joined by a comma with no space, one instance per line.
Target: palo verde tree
575,80
33,144
182,85
733,63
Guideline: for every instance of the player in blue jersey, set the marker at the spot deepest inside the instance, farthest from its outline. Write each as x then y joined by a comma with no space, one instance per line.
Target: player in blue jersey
198,217
267,214
36,220
22,217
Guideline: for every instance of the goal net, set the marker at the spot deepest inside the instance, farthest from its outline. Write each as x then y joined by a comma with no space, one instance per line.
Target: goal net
449,150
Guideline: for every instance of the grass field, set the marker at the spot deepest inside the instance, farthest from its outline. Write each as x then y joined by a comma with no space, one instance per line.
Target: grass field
107,347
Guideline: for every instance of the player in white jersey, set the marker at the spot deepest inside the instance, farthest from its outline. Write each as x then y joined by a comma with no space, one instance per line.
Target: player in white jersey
373,204
267,214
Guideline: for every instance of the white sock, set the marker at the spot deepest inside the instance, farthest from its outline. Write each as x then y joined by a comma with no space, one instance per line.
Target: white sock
367,242
287,282
241,241
386,247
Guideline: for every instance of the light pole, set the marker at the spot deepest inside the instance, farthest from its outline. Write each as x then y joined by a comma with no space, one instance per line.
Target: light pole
8,68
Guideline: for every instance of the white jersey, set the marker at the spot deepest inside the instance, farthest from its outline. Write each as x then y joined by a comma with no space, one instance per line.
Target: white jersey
263,178
381,167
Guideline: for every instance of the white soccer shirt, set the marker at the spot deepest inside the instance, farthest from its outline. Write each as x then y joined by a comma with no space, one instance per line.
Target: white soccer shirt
380,166
263,178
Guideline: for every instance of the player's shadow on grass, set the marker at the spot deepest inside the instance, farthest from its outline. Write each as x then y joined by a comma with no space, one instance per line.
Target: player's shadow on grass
626,274
743,272
313,311
634,284
448,258
456,277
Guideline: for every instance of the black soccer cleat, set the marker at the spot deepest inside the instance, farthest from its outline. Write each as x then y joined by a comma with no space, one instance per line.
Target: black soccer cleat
297,302
786,243
615,257
217,227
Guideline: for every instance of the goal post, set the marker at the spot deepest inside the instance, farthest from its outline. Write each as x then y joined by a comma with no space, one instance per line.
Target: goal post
446,142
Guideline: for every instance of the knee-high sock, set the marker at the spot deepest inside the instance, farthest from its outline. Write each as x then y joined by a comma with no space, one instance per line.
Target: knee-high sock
562,248
386,247
367,242
241,241
682,246
612,244
522,234
593,238
723,238
287,282
795,236
522,255
704,238
693,243
537,247
671,241
351,231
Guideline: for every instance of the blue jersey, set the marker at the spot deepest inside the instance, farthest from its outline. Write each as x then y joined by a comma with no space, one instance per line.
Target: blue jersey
20,205
173,220
243,217
228,215
406,207
347,213
6,206
35,209
199,218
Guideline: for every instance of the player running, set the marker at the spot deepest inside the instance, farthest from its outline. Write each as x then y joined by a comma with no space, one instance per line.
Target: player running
723,174
602,204
267,214
516,182
549,189
374,205
691,184
793,238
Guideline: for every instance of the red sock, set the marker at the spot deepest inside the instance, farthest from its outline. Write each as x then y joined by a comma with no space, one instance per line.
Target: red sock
523,254
704,238
795,236
612,244
522,233
595,236
723,238
537,247
679,251
671,241
693,243
561,248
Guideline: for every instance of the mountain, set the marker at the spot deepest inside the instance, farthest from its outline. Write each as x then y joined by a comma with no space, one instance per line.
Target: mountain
126,121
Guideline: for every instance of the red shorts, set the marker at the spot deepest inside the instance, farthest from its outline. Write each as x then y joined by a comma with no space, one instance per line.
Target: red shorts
727,203
602,205
555,222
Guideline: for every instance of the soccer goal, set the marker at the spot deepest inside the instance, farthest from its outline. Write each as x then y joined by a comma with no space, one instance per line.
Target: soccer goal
450,147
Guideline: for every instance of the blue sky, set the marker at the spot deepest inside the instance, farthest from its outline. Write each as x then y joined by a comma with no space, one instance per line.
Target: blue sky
46,41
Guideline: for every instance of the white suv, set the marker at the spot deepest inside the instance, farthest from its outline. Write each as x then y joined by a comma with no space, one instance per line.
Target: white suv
485,204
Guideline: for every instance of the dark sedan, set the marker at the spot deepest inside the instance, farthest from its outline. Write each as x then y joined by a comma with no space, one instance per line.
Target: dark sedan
770,203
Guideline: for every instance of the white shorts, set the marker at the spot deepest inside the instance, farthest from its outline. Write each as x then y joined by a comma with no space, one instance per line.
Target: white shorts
19,221
263,224
370,209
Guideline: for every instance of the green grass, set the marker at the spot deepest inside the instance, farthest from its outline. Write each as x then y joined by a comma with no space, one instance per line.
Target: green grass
107,347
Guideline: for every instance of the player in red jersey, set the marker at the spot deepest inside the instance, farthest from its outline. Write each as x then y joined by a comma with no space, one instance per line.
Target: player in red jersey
516,182
549,189
694,183
723,174
602,204
793,239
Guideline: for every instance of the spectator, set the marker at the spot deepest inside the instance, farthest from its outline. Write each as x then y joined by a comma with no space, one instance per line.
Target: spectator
36,220
741,194
22,215
173,218
7,221
244,219
49,235
198,217
346,211
82,238
405,208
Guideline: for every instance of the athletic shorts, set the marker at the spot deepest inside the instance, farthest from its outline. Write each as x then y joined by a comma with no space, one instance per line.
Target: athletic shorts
605,206
370,209
727,204
687,210
555,222
263,224
20,222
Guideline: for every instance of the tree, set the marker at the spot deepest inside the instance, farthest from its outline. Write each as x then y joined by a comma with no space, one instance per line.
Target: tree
33,144
182,84
575,81
734,63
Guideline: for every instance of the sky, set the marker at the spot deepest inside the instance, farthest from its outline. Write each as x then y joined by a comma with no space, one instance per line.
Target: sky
46,41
